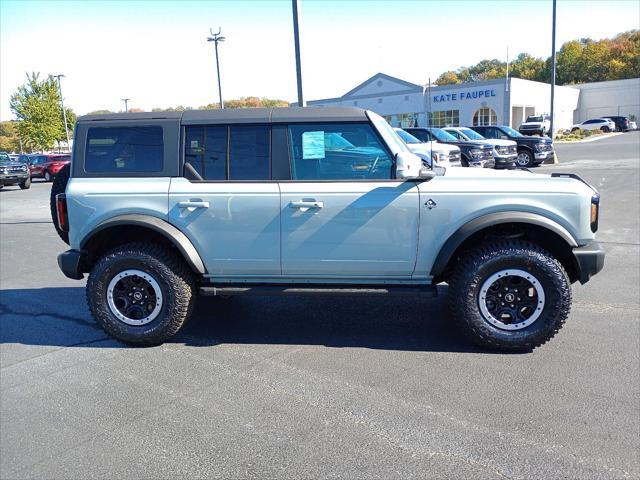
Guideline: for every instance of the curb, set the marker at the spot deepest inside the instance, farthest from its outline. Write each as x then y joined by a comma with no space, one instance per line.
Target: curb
587,140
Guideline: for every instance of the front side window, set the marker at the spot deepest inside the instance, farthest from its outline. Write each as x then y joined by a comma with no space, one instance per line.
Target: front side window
347,151
124,150
485,116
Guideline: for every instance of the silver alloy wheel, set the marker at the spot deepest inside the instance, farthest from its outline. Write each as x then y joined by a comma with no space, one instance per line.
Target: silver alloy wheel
511,299
134,297
523,159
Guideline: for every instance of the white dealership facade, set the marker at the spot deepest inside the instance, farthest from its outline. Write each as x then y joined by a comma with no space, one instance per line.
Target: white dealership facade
492,102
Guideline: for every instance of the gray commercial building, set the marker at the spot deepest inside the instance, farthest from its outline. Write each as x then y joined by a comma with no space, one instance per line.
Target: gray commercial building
491,102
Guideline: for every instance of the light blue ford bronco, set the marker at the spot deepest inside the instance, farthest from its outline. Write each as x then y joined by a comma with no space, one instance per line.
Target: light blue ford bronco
160,207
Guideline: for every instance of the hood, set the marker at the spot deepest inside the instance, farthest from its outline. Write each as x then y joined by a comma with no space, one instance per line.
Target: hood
525,140
470,143
498,142
11,164
532,124
423,148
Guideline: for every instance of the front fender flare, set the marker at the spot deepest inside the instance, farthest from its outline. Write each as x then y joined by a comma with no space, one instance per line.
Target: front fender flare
480,223
164,228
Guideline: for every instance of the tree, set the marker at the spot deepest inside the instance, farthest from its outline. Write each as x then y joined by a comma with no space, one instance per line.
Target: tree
36,105
527,67
448,78
9,141
100,112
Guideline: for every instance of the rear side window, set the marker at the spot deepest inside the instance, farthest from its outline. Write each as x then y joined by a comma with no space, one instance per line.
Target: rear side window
337,151
124,150
236,152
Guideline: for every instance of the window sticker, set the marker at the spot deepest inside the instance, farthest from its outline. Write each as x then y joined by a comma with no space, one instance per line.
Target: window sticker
194,143
312,145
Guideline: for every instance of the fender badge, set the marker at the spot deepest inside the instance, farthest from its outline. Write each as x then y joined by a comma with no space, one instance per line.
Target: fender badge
431,204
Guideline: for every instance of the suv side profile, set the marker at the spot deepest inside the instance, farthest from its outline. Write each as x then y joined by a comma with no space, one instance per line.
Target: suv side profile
159,208
47,166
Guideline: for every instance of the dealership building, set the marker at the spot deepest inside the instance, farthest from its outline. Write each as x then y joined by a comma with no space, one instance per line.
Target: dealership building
491,102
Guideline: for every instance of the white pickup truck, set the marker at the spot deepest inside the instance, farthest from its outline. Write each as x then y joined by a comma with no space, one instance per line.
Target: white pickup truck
536,125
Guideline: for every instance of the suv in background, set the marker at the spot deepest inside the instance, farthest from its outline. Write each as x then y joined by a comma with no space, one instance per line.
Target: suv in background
605,125
532,151
472,153
439,153
505,152
161,207
622,123
13,172
536,125
47,166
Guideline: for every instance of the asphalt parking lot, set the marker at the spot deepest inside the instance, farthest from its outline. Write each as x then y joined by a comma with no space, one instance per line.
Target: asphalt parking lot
310,387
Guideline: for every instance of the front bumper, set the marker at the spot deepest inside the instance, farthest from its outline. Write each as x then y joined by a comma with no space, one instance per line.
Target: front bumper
70,262
589,260
13,178
544,156
506,161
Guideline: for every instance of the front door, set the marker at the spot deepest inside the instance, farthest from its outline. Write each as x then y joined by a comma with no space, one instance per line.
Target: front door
343,216
232,215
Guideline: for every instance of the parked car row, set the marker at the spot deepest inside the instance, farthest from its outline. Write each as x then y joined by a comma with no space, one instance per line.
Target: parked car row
541,124
19,169
496,146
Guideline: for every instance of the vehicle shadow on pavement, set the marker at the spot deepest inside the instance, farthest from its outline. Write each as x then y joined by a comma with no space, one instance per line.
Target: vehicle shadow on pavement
60,317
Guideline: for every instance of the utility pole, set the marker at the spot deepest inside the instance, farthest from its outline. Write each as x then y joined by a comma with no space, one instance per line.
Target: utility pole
215,38
126,104
296,40
64,113
553,68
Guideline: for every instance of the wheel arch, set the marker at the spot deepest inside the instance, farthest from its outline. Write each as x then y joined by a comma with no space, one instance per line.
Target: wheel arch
125,228
530,226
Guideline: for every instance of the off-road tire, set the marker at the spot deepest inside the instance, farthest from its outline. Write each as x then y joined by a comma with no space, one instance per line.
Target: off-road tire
479,264
530,160
174,277
59,185
26,184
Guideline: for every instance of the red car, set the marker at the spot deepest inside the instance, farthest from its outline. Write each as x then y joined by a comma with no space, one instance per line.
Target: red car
47,166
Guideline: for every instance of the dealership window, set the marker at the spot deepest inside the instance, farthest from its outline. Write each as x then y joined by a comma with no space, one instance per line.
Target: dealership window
444,118
407,120
388,118
485,116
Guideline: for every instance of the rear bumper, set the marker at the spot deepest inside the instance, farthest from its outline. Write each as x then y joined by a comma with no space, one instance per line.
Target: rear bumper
589,260
70,262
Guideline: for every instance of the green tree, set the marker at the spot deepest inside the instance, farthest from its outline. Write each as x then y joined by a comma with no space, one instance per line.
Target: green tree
36,105
448,78
9,141
527,67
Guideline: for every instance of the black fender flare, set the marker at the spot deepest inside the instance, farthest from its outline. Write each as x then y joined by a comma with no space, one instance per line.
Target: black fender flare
164,228
480,223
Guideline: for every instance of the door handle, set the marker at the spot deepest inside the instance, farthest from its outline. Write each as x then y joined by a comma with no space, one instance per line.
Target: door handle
193,204
306,204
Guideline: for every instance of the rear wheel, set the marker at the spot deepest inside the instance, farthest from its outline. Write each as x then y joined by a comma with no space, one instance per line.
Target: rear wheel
574,130
141,293
510,295
59,186
524,159
26,184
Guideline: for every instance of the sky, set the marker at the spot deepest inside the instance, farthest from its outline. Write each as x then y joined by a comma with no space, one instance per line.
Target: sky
155,52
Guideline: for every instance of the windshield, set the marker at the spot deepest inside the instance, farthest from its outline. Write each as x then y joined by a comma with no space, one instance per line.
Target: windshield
441,135
406,136
471,134
534,119
4,158
511,132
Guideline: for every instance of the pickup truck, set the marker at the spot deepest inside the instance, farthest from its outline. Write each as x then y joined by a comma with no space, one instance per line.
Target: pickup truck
536,125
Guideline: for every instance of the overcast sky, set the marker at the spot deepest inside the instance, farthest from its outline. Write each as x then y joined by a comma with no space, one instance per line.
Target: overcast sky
155,52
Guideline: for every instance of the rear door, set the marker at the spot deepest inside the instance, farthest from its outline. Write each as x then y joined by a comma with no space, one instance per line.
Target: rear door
344,216
229,208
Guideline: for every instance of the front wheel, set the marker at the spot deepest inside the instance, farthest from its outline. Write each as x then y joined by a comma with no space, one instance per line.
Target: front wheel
605,129
524,159
47,176
26,184
510,295
141,293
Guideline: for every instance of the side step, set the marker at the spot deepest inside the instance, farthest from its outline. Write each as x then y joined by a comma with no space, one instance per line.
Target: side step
266,290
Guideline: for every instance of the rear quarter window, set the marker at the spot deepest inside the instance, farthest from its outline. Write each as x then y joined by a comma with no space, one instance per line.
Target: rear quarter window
121,150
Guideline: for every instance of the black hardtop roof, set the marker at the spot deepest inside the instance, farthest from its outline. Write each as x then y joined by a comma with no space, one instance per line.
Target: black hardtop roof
241,115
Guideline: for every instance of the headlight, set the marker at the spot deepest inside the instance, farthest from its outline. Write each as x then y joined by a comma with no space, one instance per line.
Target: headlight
476,153
538,147
438,156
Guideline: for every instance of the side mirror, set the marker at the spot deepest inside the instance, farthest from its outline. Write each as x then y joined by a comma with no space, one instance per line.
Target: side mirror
409,165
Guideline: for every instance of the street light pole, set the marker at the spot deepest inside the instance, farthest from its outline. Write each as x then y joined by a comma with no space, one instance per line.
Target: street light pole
64,113
126,104
296,41
216,37
553,68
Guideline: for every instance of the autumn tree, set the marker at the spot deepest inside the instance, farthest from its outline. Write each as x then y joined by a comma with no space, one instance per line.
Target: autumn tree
9,141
